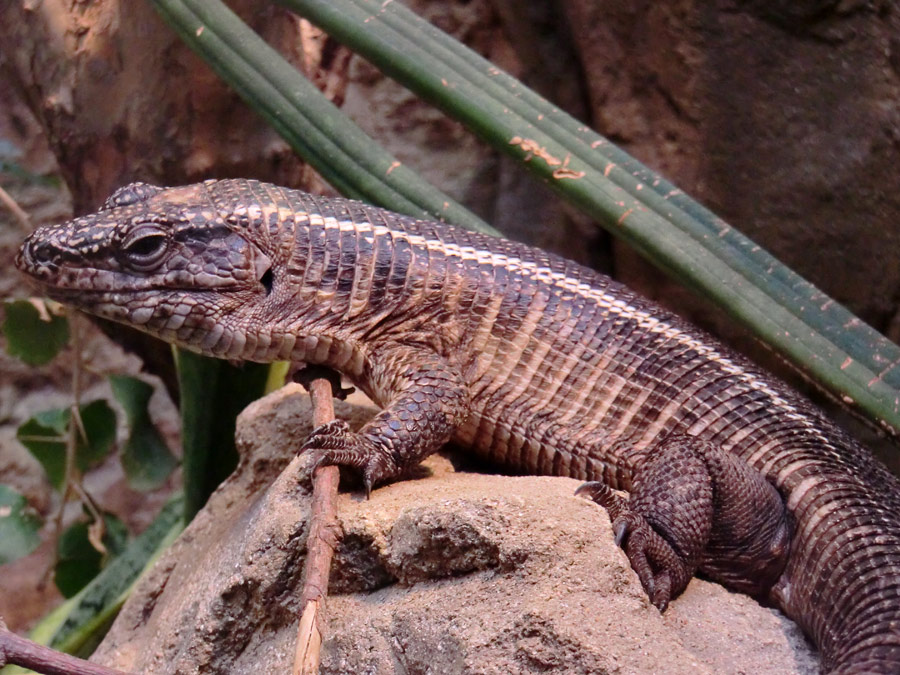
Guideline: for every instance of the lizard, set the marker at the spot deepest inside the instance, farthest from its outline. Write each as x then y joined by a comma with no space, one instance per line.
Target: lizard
535,363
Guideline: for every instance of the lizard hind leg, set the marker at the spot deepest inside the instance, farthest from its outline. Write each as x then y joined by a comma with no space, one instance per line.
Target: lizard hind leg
750,541
695,507
665,524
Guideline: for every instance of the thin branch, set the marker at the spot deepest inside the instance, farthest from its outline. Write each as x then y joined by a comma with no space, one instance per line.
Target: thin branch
324,530
21,217
74,429
19,651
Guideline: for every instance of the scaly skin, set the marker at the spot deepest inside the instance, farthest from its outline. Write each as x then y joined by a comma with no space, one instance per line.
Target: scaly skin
533,362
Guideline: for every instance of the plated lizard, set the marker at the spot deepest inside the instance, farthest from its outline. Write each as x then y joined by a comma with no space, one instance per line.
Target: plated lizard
532,361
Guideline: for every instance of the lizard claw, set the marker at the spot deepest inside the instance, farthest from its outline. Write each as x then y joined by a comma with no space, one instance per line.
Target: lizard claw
651,557
620,529
334,443
368,483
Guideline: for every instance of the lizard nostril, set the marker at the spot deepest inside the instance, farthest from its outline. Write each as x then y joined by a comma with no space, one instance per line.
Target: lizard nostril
34,255
24,257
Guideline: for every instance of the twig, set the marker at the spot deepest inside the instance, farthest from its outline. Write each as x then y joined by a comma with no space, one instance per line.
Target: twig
19,651
16,210
324,529
74,431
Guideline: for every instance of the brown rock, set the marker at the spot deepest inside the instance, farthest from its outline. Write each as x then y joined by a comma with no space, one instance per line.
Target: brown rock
782,117
448,573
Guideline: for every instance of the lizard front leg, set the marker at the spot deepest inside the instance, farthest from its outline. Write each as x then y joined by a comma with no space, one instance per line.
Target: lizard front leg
696,507
425,402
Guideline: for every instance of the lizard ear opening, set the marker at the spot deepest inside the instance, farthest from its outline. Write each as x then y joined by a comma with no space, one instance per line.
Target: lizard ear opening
266,280
262,264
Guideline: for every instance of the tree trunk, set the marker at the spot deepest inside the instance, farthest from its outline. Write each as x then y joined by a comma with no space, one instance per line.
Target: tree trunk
122,99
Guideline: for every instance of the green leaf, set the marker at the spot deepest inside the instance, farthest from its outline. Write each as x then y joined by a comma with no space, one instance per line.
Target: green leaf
213,392
146,458
31,337
19,526
45,437
80,623
79,561
100,427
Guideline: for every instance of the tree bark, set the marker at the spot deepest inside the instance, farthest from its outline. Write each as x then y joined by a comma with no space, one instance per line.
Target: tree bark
121,98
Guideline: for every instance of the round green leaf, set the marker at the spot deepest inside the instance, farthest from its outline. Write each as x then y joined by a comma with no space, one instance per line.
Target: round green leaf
31,337
79,561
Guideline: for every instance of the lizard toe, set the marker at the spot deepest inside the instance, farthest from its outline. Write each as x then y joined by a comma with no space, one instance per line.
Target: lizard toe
654,561
333,444
332,429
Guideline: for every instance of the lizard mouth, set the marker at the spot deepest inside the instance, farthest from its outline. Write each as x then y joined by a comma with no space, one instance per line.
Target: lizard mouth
25,258
72,293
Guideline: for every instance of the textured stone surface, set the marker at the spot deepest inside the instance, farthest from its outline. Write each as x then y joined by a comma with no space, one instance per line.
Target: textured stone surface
444,573
782,117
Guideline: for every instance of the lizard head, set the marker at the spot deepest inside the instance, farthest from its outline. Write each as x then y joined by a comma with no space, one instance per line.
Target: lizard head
164,260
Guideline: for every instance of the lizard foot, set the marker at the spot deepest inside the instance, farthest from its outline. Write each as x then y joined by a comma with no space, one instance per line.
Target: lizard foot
334,444
661,571
696,507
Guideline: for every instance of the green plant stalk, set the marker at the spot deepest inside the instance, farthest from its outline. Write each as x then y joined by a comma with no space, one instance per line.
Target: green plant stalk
278,372
198,384
74,625
213,392
677,233
338,149
640,182
83,640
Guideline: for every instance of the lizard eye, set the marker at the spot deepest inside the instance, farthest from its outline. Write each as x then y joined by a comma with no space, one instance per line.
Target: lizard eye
144,248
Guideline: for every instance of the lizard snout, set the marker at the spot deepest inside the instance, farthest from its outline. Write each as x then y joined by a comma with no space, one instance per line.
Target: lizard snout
37,257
